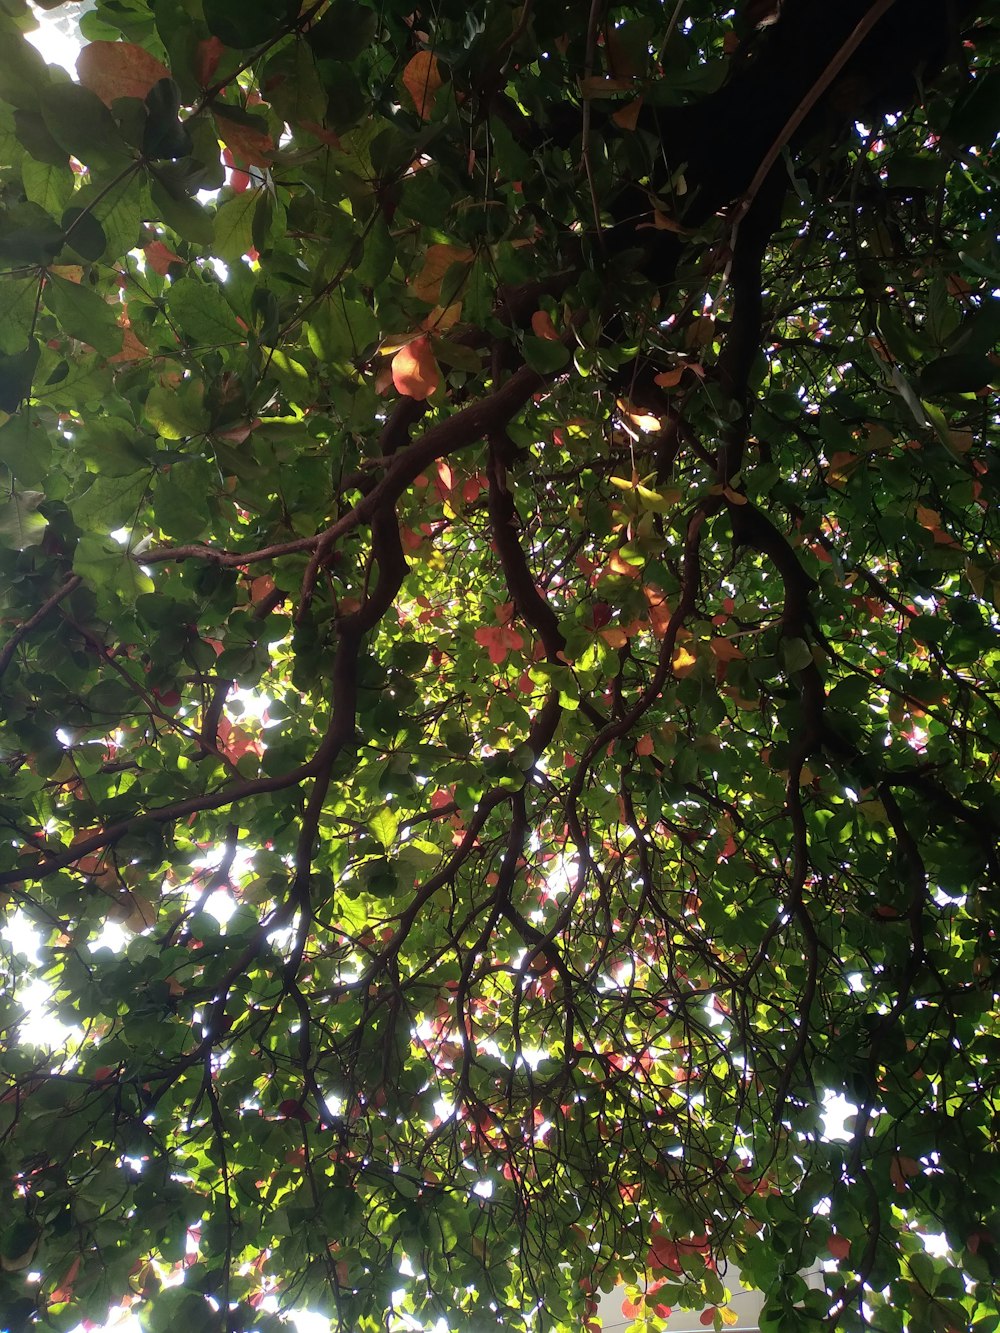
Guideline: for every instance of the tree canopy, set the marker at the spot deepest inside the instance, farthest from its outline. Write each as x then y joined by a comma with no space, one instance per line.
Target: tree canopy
500,686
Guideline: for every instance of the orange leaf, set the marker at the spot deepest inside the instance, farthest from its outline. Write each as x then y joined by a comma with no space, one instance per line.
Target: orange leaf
422,79
669,379
132,349
254,147
644,745
542,326
659,611
619,565
159,257
415,373
900,1168
725,650
118,69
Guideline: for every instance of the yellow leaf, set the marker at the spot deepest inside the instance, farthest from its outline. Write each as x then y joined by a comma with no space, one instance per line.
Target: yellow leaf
729,1317
438,259
683,662
443,318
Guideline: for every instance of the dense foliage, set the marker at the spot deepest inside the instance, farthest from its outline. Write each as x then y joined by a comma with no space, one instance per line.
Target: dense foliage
500,698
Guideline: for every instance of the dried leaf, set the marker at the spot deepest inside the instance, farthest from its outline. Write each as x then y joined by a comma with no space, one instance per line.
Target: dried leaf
422,79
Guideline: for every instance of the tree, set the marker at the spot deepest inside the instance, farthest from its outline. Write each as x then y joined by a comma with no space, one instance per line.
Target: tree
500,575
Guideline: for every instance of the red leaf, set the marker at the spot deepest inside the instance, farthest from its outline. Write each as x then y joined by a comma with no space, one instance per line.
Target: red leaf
839,1246
415,373
118,69
206,60
159,257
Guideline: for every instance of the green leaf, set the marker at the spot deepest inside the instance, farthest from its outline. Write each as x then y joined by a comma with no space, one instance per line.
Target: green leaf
21,525
178,411
956,374
47,185
24,76
181,214
384,826
84,233
81,124
83,314
796,653
295,89
976,116
110,570
340,329
25,449
180,500
17,370
233,225
344,31
202,313
165,135
117,213
18,297
544,355
110,449
239,26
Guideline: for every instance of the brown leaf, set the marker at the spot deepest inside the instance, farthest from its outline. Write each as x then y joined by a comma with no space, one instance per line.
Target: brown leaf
118,69
422,79
596,85
627,116
415,372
